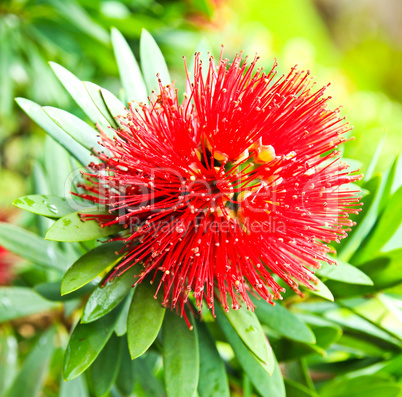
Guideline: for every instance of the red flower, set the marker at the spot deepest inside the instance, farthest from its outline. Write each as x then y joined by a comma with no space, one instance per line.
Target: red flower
6,273
237,183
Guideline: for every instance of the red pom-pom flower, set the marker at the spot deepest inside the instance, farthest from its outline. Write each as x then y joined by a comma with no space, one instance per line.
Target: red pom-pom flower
237,183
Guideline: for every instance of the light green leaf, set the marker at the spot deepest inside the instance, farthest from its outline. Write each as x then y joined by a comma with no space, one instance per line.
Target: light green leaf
37,114
86,342
144,319
8,359
90,265
322,291
258,372
180,356
71,228
130,74
105,298
113,104
283,321
16,302
249,329
152,62
345,273
32,247
45,205
213,381
76,387
29,381
105,368
82,132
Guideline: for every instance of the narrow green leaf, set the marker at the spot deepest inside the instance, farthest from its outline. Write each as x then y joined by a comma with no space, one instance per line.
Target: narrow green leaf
152,62
213,378
79,93
144,319
8,359
29,381
71,228
76,387
86,342
51,291
374,159
37,114
295,389
80,131
104,299
258,372
180,356
130,74
283,321
322,291
113,104
121,325
90,265
249,329
32,247
16,302
45,205
105,368
345,273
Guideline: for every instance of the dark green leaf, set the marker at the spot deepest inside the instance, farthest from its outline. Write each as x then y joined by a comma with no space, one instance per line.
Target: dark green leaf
86,342
294,389
45,205
144,374
121,325
105,368
71,228
16,302
104,299
144,319
51,291
180,356
213,378
90,265
125,378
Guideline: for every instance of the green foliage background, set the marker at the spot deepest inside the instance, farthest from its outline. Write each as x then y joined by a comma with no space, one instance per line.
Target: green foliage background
350,347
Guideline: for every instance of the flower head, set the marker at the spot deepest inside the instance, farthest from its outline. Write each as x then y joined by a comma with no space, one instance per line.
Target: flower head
237,183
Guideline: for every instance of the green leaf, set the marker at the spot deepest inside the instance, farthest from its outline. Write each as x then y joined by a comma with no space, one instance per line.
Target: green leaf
71,228
130,74
51,291
152,62
258,372
213,381
362,386
295,389
322,291
113,105
180,356
126,377
105,368
105,298
37,114
45,205
345,273
77,90
374,159
121,325
80,131
86,342
16,302
29,381
249,329
8,359
144,373
31,247
283,321
144,319
90,265
76,387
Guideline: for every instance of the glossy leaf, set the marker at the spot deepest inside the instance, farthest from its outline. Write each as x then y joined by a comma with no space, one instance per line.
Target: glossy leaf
71,228
180,356
105,368
144,319
45,205
29,381
249,329
267,385
85,344
152,62
17,302
344,272
105,298
37,114
130,74
283,321
213,380
32,247
90,265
